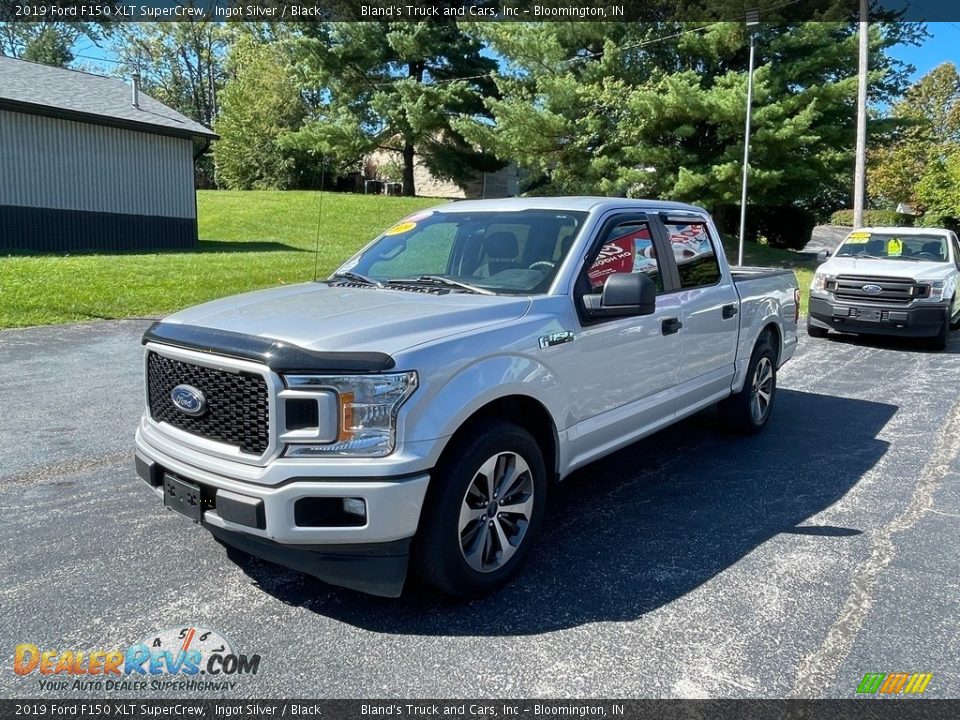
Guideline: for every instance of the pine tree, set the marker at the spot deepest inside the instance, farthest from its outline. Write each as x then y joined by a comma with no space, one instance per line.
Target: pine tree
396,85
658,110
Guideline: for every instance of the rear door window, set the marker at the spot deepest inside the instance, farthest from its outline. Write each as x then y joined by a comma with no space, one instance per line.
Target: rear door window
694,253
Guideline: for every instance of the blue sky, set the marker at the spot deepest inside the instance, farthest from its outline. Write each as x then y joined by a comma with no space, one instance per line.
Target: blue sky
943,46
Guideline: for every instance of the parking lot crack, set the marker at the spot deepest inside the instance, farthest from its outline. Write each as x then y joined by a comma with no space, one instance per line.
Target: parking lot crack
53,471
818,669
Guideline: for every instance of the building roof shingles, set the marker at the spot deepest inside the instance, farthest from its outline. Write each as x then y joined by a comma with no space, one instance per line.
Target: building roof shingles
70,94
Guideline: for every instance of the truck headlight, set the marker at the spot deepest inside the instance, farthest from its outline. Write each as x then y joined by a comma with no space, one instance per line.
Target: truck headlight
366,412
820,281
936,290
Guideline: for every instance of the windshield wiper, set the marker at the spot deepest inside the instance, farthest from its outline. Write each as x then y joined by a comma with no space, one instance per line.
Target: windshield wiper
357,277
440,280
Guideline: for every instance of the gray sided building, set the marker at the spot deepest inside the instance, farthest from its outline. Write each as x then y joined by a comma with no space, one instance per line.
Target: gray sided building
87,164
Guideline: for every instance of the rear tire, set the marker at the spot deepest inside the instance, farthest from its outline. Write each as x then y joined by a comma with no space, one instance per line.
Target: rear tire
483,511
816,332
747,411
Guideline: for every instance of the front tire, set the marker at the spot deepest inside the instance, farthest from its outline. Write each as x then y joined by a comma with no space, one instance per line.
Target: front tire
484,510
814,331
939,341
748,410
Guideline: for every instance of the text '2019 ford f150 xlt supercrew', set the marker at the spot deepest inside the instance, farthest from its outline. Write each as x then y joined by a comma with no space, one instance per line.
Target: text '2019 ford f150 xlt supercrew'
414,407
889,281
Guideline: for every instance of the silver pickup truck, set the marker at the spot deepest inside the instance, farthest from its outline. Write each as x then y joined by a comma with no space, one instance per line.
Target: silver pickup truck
415,407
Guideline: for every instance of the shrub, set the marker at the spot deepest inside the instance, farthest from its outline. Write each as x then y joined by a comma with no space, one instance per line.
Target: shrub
936,220
873,218
786,227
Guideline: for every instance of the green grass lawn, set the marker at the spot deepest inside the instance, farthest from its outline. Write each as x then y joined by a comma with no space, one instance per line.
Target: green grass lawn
766,256
248,240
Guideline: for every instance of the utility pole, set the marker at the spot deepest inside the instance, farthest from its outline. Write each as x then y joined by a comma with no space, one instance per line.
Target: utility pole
752,20
860,173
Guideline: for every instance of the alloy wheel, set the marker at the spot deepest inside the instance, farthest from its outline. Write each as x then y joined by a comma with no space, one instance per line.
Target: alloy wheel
496,511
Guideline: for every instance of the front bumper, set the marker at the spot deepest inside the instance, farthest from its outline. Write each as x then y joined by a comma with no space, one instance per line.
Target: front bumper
923,321
370,555
373,568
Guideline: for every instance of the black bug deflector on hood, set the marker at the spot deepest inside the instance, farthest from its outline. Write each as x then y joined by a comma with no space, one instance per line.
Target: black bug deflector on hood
278,355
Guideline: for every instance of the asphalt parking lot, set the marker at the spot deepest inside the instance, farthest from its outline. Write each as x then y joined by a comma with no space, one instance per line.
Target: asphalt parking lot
692,564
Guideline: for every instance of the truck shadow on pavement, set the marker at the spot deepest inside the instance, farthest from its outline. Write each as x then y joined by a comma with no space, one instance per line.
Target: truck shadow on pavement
645,526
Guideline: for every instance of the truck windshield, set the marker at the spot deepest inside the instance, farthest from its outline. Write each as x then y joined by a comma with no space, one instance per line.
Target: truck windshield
891,246
493,252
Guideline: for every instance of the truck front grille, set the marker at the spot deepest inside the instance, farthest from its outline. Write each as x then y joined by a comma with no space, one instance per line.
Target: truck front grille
899,291
237,405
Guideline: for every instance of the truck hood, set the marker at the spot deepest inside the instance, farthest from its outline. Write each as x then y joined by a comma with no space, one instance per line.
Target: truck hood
318,317
887,268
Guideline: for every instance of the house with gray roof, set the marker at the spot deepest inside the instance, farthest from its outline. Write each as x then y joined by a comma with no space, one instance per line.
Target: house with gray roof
91,163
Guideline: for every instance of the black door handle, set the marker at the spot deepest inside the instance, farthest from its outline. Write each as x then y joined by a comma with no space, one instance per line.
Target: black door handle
670,326
729,311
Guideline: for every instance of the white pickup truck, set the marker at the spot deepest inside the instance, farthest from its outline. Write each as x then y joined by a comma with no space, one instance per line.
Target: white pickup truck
889,281
415,407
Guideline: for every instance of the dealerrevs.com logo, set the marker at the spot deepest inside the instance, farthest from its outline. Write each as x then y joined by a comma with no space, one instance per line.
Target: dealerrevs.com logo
197,658
894,683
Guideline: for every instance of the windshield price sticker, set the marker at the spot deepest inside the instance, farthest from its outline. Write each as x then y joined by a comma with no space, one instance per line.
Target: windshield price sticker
858,238
894,247
401,228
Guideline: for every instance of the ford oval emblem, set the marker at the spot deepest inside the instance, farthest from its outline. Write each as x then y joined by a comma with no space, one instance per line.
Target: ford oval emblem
188,400
872,289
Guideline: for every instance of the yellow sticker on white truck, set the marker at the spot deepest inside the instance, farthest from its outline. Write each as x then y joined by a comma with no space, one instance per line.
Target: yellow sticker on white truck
894,247
858,238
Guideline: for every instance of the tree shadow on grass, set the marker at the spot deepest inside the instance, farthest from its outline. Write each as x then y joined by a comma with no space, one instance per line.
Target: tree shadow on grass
204,247
234,246
635,531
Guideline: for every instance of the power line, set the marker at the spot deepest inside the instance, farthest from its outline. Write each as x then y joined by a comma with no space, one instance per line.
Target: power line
933,15
100,59
583,56
630,46
568,61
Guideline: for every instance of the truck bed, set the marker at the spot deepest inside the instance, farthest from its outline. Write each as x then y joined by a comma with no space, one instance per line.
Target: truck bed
755,273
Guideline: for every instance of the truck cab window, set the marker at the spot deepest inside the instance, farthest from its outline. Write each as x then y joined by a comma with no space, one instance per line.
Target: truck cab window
627,248
694,253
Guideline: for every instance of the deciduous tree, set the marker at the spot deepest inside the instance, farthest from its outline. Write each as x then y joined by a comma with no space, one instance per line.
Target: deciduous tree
260,103
920,165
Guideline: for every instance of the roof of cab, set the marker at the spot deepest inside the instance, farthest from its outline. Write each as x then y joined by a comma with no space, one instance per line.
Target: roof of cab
576,203
903,230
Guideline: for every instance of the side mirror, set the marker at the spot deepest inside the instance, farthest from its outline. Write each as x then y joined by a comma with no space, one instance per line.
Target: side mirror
822,256
624,295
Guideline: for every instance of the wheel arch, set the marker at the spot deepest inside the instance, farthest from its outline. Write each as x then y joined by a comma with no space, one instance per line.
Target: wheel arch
769,327
772,330
524,411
